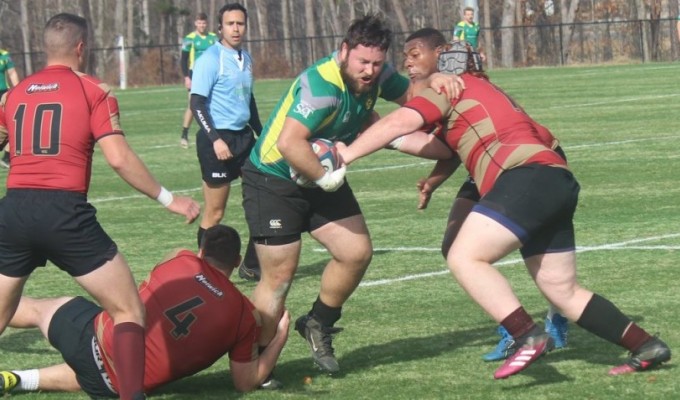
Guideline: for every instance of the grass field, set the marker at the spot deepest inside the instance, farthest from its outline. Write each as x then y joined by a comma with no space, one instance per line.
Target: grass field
410,331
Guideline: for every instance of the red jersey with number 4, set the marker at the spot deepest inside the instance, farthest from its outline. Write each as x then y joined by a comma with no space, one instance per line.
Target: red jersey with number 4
53,119
194,315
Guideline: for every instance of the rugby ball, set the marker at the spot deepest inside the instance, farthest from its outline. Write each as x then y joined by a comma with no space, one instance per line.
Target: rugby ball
328,156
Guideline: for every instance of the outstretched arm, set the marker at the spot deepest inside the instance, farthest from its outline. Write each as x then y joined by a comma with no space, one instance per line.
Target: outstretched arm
397,123
130,167
422,144
248,376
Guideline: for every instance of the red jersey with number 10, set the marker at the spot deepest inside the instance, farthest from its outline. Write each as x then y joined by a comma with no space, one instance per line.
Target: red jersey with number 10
53,118
194,315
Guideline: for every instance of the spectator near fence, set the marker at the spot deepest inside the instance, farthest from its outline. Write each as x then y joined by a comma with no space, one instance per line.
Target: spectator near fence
468,30
193,45
9,75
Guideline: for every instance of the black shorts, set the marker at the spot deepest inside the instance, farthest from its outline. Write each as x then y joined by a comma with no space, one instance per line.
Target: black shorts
40,225
277,207
468,190
537,203
216,171
71,331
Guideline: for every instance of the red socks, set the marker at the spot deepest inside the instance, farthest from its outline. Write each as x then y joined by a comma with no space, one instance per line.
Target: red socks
128,358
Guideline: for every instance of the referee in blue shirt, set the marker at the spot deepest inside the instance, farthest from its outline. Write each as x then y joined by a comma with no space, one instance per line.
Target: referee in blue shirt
222,102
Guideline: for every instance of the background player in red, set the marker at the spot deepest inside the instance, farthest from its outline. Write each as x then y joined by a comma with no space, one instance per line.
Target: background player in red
528,200
194,315
52,120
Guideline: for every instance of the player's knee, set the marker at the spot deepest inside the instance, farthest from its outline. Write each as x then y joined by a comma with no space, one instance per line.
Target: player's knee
129,312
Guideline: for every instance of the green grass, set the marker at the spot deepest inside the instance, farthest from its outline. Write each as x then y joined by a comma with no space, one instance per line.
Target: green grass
410,331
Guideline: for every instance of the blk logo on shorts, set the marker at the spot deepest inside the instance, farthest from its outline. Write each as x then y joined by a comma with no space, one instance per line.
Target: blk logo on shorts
275,224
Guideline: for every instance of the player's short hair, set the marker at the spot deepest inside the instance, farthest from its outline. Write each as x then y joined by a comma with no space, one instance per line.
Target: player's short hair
369,31
433,38
201,16
230,7
221,245
63,32
468,8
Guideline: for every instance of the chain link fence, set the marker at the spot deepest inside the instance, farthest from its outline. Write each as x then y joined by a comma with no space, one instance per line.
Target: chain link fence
547,45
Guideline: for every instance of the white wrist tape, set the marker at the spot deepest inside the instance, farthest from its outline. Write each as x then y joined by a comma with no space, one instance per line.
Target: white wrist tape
164,197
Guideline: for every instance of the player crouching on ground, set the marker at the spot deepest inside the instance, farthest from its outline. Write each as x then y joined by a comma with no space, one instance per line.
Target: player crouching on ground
194,315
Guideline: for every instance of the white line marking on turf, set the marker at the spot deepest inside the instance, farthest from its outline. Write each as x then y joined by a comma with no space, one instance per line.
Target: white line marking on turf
608,102
373,169
579,249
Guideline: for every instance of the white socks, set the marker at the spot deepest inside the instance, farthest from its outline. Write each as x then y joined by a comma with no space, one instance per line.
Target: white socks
30,379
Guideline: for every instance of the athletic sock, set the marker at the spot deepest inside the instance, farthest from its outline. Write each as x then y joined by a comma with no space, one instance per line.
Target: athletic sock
29,380
128,357
634,337
602,318
328,316
250,260
552,310
518,323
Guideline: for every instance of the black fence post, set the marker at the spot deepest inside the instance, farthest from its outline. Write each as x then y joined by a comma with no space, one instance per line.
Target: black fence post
561,46
162,68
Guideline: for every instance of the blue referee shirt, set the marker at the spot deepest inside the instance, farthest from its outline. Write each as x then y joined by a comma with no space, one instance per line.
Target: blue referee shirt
225,78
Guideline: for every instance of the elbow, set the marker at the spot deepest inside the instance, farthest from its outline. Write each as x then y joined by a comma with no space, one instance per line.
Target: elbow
284,147
117,161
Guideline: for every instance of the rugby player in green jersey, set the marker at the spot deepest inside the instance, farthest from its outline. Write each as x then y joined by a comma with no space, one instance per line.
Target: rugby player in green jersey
332,99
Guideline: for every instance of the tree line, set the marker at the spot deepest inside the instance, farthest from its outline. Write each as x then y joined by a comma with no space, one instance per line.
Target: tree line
279,26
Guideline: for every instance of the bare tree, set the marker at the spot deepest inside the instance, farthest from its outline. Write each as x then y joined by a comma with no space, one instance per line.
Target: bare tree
145,24
334,18
285,22
26,36
396,5
568,10
130,24
310,28
488,38
263,27
507,34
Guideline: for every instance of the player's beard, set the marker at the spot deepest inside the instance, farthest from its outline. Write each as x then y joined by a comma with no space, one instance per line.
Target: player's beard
355,85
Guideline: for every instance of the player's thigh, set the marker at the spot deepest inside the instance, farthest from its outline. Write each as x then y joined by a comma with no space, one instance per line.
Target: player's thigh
481,238
20,214
216,195
346,239
113,286
10,294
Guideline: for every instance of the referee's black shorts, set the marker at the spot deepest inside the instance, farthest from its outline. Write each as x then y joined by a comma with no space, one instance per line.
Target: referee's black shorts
214,171
60,226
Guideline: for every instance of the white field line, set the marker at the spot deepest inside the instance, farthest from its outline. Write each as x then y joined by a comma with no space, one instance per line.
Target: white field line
579,249
384,168
624,100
